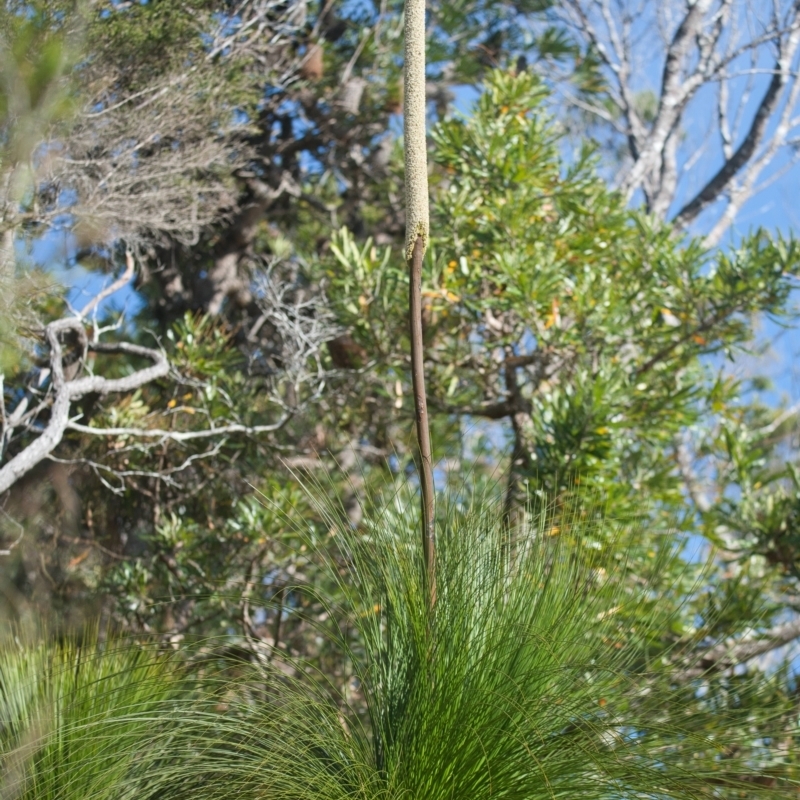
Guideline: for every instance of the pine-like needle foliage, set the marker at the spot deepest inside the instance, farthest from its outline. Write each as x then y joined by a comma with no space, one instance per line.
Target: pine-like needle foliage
514,686
510,688
77,720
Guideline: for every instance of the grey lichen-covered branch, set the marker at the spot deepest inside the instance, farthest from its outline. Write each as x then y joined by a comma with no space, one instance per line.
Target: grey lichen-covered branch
66,392
163,435
296,322
725,656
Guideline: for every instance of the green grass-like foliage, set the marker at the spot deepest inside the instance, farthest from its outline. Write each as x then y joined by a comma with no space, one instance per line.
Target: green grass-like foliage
77,719
511,688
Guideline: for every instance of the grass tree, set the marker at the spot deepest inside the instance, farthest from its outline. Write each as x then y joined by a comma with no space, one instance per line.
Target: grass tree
538,678
79,720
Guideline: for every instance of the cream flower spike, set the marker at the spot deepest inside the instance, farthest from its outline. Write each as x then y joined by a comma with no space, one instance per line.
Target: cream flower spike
416,149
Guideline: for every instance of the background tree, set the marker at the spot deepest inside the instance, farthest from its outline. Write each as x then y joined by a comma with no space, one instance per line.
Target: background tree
585,326
585,329
266,123
728,70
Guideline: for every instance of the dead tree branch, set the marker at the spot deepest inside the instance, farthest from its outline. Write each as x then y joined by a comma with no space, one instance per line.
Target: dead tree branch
180,436
67,392
708,46
754,137
726,656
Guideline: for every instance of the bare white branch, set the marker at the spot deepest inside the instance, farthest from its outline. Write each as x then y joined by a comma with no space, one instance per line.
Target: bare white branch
704,42
180,436
66,392
726,656
9,549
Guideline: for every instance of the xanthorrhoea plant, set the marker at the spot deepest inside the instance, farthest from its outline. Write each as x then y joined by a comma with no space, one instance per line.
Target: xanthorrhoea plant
79,721
512,686
535,675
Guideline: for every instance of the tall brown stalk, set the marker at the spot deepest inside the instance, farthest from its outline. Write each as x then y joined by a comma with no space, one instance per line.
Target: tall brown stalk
417,231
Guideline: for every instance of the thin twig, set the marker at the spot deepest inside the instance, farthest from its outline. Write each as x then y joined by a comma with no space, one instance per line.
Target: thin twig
113,288
786,414
7,551
179,436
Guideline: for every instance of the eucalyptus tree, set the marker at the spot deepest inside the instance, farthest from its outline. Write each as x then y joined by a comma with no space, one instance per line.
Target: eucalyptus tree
702,98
